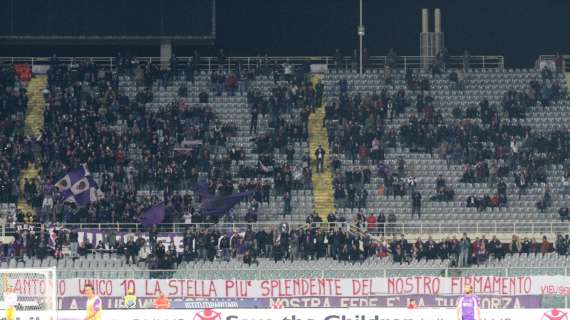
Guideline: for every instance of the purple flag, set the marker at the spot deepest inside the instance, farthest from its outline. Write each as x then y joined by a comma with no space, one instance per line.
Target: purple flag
78,186
217,205
154,215
201,189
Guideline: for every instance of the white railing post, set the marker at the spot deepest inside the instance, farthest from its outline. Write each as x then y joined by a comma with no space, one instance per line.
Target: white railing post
483,62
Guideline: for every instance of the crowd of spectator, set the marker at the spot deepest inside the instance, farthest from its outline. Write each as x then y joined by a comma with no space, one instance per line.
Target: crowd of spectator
490,140
465,251
89,118
280,243
16,147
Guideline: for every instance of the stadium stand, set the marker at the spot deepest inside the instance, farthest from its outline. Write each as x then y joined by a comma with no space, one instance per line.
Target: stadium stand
16,147
413,147
393,139
259,247
131,123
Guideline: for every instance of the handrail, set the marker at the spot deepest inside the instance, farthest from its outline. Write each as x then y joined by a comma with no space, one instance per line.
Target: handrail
247,63
551,57
177,227
479,227
422,228
331,267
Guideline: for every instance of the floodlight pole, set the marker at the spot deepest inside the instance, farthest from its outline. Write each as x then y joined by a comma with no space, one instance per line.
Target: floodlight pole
360,37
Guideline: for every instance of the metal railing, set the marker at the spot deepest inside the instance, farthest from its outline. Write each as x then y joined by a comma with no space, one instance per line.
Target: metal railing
204,271
551,58
479,227
7,229
407,228
248,63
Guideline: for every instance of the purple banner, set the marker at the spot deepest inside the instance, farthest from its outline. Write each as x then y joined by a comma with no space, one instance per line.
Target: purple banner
487,302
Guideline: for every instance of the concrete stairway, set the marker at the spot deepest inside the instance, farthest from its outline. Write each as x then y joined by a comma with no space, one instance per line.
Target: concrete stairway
322,182
567,75
34,124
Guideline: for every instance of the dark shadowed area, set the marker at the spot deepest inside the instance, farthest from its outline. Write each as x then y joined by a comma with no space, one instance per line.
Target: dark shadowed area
519,30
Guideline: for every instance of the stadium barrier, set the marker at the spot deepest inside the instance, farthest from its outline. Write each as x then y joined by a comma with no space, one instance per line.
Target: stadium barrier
549,60
230,63
311,314
420,228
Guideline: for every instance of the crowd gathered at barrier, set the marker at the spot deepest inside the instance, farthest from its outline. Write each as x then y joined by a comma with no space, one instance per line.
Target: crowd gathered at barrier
158,250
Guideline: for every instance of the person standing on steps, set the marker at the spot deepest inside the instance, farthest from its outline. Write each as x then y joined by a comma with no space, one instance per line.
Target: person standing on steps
417,204
254,116
320,156
319,89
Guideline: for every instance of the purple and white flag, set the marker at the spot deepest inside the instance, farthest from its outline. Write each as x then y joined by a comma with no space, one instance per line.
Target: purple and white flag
78,186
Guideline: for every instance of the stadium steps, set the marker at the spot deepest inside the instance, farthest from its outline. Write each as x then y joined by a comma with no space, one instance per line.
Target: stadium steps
34,124
567,74
30,173
322,182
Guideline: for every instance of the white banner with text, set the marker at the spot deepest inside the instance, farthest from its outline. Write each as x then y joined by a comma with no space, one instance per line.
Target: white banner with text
302,287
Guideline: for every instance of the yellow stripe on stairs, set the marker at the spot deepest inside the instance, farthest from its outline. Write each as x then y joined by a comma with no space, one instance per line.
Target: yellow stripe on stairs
567,82
34,124
322,182
35,113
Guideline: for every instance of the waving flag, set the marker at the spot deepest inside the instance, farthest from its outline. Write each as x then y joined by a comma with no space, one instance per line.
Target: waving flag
78,186
154,215
217,205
